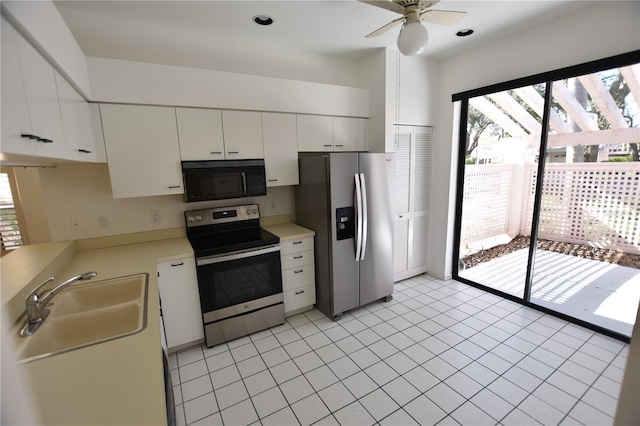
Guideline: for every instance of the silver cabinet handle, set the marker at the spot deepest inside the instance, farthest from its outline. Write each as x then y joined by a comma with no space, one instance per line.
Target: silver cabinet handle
174,186
300,292
298,257
232,152
298,271
273,180
297,242
177,264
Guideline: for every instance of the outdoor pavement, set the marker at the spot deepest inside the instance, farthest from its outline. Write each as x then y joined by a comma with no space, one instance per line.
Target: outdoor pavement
597,292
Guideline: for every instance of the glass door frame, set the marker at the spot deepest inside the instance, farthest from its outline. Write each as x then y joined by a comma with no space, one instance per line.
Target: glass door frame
545,78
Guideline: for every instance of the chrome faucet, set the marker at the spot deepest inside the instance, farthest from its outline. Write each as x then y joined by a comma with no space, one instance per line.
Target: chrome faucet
37,310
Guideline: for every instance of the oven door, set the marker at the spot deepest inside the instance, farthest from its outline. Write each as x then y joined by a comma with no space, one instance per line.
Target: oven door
238,282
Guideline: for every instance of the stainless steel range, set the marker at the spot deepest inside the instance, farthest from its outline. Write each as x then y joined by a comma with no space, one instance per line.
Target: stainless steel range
239,274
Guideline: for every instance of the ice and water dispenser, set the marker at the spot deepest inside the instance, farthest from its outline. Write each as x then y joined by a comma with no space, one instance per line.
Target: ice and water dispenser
345,223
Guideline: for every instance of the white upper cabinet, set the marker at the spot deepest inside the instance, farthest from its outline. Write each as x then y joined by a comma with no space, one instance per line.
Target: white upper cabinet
242,134
42,100
315,133
200,134
348,134
321,133
280,148
98,136
76,123
15,113
142,148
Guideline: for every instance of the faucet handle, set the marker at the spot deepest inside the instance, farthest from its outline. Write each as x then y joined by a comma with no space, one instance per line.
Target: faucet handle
33,296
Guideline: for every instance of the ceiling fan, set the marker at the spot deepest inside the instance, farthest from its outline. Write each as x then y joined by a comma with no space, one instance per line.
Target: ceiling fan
413,35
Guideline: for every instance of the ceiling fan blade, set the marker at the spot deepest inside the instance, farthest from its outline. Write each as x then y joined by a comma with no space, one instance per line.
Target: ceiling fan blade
442,17
383,29
385,4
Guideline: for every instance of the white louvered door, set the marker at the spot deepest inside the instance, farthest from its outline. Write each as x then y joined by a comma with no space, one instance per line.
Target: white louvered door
412,200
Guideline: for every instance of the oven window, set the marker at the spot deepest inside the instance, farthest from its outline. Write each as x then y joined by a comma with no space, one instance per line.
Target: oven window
238,281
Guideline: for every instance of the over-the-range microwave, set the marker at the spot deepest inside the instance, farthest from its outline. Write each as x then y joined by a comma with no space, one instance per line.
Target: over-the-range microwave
223,179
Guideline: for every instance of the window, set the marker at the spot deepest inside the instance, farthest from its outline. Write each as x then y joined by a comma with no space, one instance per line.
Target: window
548,192
10,214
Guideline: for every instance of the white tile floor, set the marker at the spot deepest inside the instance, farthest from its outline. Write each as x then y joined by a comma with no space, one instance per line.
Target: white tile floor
438,353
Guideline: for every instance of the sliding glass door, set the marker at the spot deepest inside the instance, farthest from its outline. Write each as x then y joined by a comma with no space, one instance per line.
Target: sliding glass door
501,146
548,196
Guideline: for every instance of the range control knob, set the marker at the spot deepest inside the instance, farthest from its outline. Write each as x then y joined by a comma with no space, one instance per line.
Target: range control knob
190,218
254,211
248,211
198,218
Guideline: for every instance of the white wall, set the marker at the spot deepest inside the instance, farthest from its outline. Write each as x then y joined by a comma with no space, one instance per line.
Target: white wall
83,192
41,24
597,31
157,84
161,44
416,91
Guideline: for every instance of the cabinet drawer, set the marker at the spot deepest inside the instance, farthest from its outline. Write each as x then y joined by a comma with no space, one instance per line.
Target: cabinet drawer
297,245
299,298
298,277
295,260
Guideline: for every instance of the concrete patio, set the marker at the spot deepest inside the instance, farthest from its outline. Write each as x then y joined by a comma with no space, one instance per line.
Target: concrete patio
600,293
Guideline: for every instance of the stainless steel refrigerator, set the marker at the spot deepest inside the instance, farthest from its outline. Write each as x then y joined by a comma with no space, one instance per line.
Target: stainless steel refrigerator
347,198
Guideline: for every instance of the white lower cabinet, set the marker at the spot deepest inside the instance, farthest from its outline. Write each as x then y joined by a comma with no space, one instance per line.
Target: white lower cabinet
180,300
298,275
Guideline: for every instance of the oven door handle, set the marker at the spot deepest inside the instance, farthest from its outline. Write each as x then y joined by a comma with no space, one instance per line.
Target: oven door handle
235,255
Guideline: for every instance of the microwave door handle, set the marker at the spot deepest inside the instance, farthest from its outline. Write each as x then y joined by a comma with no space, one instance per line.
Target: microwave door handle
244,183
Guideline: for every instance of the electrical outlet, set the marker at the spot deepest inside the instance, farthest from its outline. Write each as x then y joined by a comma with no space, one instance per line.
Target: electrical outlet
103,221
155,216
75,224
272,204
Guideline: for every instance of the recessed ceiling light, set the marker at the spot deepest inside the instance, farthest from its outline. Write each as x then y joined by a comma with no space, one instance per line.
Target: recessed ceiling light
263,20
466,32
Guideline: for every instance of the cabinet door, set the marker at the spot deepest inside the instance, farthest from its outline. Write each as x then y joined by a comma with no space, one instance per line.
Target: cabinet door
348,134
315,133
98,136
142,150
242,134
280,149
200,134
76,122
178,285
42,100
15,114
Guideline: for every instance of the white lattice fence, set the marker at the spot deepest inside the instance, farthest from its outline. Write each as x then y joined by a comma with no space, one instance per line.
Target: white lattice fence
486,201
588,203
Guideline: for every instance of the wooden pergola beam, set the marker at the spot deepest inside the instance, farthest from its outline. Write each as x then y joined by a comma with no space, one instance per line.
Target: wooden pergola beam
529,95
497,116
631,76
572,107
595,137
603,99
505,101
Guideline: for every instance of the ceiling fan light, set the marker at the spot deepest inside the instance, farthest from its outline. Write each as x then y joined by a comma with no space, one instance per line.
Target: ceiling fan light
413,38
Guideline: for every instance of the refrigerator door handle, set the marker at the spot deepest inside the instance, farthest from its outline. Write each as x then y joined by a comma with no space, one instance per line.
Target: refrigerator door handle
365,216
358,217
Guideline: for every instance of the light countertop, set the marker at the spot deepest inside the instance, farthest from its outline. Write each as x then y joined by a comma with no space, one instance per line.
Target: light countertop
114,382
289,231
